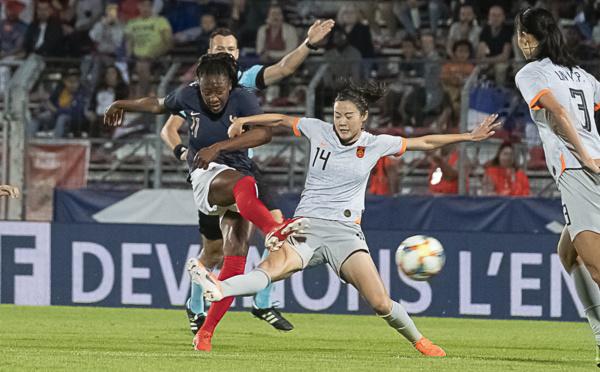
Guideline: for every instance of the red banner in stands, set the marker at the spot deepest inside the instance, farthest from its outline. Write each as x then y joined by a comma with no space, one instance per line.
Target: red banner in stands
63,164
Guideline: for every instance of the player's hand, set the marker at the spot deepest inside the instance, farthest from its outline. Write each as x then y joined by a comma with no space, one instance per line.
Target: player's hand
485,128
183,155
235,129
12,191
113,116
319,30
205,156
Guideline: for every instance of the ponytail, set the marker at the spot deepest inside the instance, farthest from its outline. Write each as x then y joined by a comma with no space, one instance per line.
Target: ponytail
540,23
361,96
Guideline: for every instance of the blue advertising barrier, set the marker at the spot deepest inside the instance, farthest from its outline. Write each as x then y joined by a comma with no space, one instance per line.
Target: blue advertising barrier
488,273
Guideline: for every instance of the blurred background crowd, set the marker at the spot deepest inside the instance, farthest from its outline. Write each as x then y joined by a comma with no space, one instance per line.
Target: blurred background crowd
445,62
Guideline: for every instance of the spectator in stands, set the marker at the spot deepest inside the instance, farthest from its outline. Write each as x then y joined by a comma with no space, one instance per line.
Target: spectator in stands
275,38
44,36
147,38
247,16
411,77
12,29
418,14
107,33
359,35
342,61
384,176
87,13
502,177
63,111
495,44
111,88
443,174
465,28
198,36
456,71
586,55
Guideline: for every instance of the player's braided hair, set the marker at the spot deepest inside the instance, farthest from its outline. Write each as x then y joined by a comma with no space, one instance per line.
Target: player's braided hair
361,96
218,64
541,24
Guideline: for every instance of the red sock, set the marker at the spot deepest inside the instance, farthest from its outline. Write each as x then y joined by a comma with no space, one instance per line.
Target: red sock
250,207
232,266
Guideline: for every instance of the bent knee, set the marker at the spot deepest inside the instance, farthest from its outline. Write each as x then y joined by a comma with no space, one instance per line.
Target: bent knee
382,306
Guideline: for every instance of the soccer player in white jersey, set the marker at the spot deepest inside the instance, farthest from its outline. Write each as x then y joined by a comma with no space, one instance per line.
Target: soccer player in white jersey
562,98
341,159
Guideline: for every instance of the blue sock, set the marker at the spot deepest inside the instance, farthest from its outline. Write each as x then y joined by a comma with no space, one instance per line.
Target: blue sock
196,299
262,299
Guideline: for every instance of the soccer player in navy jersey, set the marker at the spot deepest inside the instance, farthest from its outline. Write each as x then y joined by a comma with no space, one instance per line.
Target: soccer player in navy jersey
255,78
225,185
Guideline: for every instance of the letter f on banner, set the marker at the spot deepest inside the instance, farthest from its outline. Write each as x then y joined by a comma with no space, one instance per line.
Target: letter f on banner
25,263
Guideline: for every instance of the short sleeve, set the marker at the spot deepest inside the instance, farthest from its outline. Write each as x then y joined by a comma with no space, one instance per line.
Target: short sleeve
391,145
173,101
532,83
164,25
253,78
308,127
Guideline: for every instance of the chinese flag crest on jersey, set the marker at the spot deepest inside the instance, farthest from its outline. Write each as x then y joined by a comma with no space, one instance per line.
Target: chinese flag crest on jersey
360,151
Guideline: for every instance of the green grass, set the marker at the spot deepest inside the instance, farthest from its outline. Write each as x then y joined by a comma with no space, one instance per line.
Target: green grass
101,339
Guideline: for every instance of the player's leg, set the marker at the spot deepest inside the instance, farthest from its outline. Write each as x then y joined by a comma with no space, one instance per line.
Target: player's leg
236,235
587,244
231,187
360,271
262,306
211,255
277,266
587,290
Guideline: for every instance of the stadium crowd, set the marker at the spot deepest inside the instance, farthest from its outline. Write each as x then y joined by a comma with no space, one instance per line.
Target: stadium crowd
424,51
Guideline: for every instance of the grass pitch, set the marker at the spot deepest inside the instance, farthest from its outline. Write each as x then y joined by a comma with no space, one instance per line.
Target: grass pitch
93,339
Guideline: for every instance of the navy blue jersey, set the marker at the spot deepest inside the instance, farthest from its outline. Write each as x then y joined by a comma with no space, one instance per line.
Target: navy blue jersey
206,128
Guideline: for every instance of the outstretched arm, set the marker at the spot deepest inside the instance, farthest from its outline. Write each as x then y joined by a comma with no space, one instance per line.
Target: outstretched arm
563,127
483,131
291,61
264,120
113,115
251,138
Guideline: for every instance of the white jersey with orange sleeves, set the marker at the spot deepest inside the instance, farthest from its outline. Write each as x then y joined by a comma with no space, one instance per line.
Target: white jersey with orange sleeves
579,93
337,174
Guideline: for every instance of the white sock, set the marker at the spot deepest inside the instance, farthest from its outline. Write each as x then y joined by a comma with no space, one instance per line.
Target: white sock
589,295
401,322
247,284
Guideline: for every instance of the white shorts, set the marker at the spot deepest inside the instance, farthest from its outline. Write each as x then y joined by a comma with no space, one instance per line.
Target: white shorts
581,202
331,242
201,179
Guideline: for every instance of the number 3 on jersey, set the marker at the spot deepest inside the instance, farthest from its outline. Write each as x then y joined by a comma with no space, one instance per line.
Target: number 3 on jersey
582,105
320,154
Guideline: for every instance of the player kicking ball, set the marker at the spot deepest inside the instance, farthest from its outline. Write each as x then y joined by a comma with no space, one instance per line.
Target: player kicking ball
342,156
225,186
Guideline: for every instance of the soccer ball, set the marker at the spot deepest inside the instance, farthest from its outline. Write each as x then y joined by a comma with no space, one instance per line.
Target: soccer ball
420,257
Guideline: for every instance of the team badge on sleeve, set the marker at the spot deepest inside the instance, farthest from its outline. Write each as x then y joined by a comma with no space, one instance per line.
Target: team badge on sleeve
360,151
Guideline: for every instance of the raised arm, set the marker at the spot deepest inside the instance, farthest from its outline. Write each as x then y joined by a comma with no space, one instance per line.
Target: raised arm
483,131
113,115
264,120
251,138
563,127
290,62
